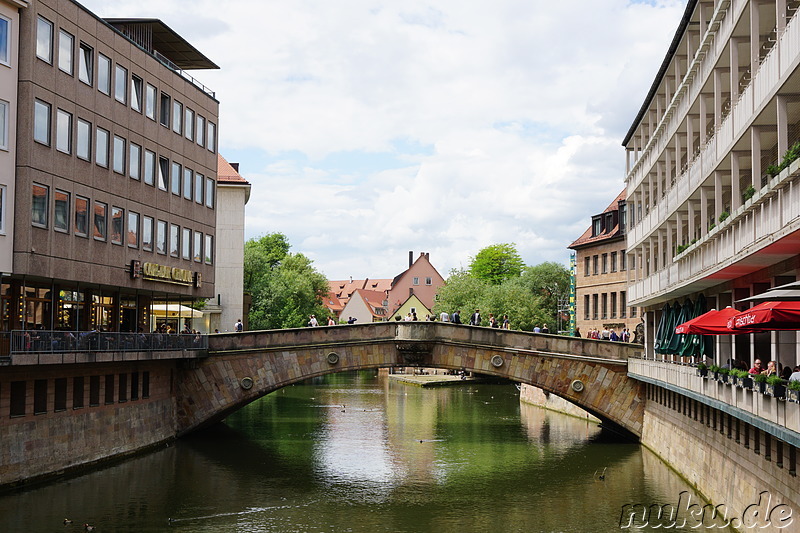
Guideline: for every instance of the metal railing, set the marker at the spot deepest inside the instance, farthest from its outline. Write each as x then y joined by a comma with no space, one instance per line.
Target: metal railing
42,341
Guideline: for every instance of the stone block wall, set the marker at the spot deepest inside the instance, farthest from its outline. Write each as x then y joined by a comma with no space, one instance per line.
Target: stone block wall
728,461
540,398
52,441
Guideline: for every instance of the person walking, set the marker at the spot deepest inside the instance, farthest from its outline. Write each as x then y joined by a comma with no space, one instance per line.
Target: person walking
506,323
238,327
456,318
475,319
444,317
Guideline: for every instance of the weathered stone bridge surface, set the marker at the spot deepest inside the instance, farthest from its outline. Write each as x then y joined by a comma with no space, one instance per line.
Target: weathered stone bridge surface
242,367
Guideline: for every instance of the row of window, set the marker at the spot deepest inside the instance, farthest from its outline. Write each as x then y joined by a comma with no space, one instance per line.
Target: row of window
117,388
123,156
596,306
91,218
599,264
171,113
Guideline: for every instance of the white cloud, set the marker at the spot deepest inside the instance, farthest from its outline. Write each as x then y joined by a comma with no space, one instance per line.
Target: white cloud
516,111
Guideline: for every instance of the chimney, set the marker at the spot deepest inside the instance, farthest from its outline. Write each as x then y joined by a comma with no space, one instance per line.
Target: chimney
235,166
410,258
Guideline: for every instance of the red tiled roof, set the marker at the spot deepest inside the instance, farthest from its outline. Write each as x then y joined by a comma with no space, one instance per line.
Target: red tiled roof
343,289
608,233
226,173
374,300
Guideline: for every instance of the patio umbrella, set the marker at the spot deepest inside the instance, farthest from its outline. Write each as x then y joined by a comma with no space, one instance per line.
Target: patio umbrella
662,339
693,345
711,323
685,312
782,293
768,316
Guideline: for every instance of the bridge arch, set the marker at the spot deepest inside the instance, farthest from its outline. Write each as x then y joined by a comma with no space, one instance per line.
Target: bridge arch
242,367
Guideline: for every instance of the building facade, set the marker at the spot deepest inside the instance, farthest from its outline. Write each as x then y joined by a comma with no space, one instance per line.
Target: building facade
233,193
9,67
116,158
713,194
601,273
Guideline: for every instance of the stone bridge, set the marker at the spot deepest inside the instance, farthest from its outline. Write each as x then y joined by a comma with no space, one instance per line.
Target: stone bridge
242,367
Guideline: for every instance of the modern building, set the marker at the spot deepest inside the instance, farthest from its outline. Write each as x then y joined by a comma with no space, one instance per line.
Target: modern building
233,193
600,278
712,210
9,68
115,200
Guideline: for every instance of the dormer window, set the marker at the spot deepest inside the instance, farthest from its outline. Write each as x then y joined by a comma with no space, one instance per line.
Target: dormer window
597,226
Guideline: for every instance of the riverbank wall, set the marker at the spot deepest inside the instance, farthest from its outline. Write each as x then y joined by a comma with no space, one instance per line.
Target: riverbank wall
747,473
70,417
540,398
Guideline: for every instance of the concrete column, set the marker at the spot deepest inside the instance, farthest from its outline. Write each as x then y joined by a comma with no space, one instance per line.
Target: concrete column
703,210
755,153
689,138
678,227
736,193
717,97
668,165
659,175
692,222
703,119
783,129
651,202
627,160
780,16
718,207
670,243
754,37
678,160
734,70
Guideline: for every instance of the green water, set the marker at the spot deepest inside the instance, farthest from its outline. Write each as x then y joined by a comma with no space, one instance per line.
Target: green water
352,452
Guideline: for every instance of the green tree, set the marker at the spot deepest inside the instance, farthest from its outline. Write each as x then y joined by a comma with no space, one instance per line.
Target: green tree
548,282
460,292
285,288
497,263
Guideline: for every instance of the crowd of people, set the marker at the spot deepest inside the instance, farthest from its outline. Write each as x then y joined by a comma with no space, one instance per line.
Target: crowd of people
773,369
606,334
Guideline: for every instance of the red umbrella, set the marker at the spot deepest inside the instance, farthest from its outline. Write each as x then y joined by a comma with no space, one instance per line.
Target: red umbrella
711,323
768,316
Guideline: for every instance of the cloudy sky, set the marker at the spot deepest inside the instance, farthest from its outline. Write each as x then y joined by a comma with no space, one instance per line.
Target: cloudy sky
369,128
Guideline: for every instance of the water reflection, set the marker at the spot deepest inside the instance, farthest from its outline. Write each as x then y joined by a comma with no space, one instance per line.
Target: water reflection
354,453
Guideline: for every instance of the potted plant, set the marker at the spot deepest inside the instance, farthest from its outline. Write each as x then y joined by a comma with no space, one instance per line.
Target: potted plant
774,387
759,382
702,370
724,216
742,378
748,193
724,375
793,391
714,371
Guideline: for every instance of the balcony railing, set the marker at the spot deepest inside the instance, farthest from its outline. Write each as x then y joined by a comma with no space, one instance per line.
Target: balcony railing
41,341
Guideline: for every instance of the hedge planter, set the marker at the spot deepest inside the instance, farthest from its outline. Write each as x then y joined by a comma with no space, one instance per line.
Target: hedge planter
793,395
758,387
745,383
776,391
702,372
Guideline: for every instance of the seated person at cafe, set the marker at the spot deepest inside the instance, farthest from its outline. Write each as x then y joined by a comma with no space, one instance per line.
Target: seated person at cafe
757,369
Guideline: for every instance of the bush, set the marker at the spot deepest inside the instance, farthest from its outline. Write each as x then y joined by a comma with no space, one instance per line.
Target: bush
760,378
749,192
774,380
794,385
723,216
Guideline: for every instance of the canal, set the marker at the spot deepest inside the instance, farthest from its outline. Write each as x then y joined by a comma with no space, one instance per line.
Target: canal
354,452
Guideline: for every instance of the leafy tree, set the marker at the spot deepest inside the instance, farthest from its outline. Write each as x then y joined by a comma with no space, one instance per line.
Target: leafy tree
460,292
547,281
285,288
497,263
